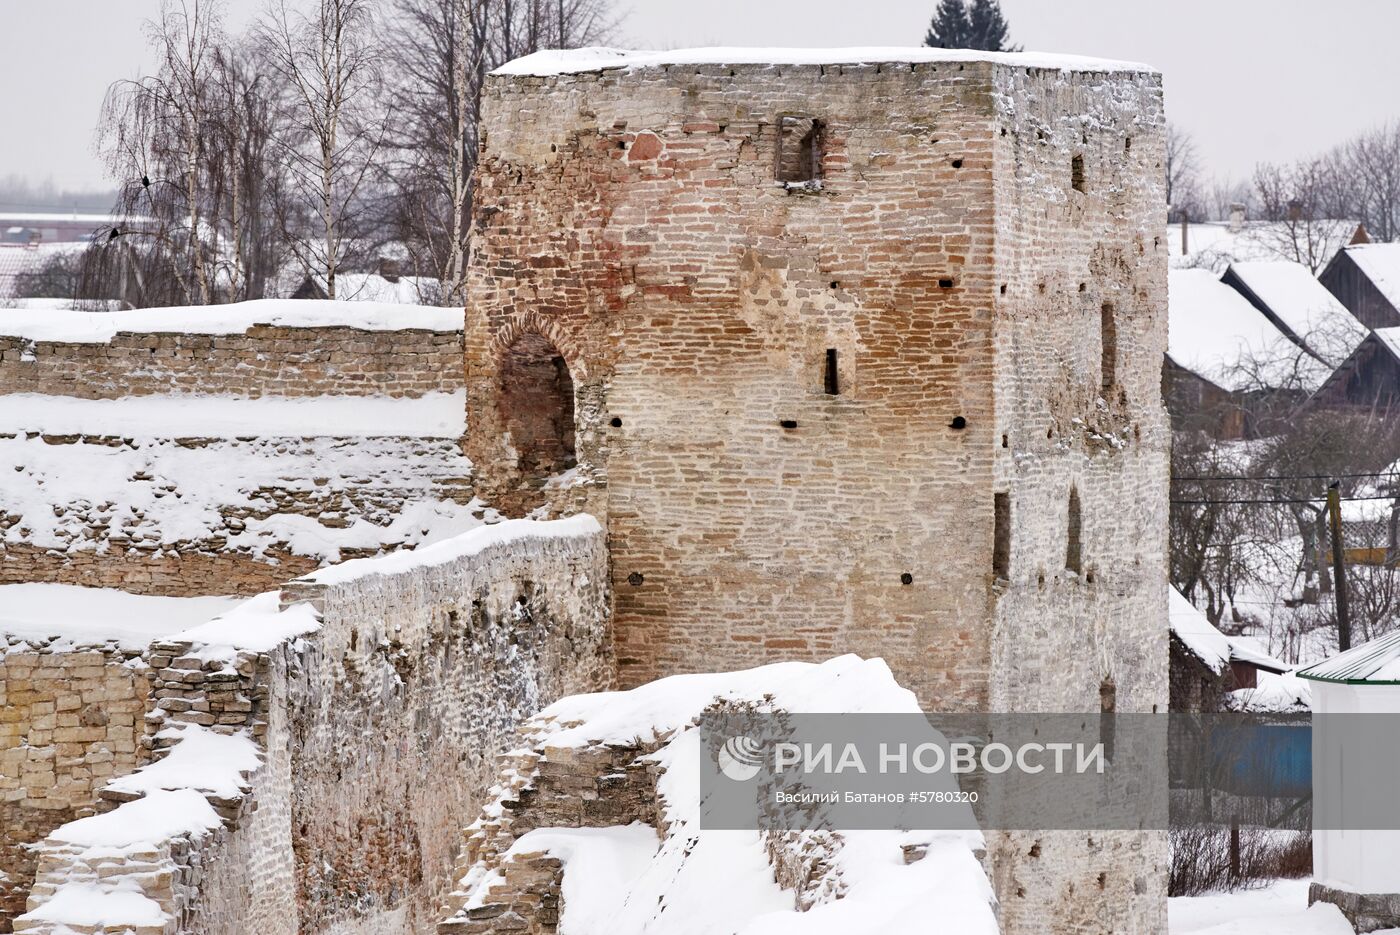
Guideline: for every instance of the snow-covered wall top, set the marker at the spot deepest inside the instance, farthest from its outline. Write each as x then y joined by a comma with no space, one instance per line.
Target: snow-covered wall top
433,415
236,318
468,544
576,61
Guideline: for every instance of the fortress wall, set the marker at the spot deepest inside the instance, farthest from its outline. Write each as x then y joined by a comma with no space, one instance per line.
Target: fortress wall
179,573
264,360
377,731
417,679
185,517
70,720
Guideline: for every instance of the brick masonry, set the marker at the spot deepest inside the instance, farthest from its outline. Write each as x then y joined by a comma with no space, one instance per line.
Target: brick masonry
69,723
983,254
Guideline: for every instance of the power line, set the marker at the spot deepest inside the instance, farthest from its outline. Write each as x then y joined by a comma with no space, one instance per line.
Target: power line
1310,500
1274,477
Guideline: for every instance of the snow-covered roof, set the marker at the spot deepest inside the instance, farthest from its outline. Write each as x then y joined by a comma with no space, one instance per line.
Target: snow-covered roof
58,217
1216,333
1380,262
1197,633
18,259
1216,244
234,318
1386,339
73,616
1208,644
1303,305
1247,649
575,61
1373,663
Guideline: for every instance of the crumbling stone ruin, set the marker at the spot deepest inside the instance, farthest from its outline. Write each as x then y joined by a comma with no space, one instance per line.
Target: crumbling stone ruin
844,356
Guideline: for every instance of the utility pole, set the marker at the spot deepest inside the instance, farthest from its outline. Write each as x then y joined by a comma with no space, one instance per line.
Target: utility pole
1339,583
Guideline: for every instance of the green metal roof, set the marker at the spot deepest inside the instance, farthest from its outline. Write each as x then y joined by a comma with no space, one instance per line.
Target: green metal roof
1373,663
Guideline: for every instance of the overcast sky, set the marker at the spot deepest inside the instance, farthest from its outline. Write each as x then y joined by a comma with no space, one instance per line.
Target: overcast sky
1251,79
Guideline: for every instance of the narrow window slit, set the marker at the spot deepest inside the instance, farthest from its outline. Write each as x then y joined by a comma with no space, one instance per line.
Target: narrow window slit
1076,173
832,380
1108,705
1001,535
1108,335
1074,546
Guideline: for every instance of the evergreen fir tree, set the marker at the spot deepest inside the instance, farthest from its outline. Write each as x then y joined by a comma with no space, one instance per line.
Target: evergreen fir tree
969,24
951,28
987,27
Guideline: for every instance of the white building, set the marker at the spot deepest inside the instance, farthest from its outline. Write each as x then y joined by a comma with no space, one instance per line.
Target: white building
1355,762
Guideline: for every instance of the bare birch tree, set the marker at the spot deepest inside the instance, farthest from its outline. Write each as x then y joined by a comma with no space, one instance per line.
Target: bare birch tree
333,128
442,51
1303,201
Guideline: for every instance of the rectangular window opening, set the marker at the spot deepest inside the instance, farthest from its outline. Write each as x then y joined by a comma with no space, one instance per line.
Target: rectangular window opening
799,150
1108,335
1074,546
1001,535
832,379
1076,173
1108,705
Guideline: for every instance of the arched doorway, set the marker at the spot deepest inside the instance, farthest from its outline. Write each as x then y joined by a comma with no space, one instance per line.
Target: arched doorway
537,406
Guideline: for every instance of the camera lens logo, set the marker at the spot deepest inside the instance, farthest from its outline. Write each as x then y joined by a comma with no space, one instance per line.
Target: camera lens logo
740,758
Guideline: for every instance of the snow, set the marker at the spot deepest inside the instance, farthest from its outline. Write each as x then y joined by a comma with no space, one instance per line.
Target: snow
367,493
1278,909
470,543
132,831
91,305
433,415
1248,649
75,616
372,287
202,760
1214,332
1304,305
41,217
1195,630
256,625
1275,693
1213,245
1380,262
575,61
234,318
143,822
610,872
1390,337
846,684
103,906
630,883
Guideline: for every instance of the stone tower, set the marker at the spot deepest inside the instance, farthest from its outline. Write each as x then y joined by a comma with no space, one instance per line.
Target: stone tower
855,351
